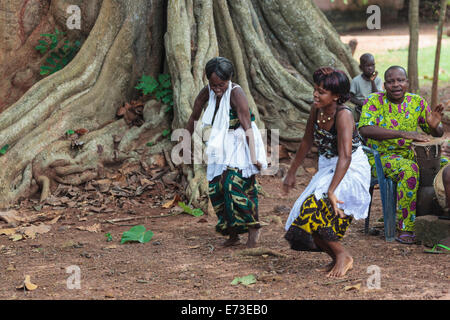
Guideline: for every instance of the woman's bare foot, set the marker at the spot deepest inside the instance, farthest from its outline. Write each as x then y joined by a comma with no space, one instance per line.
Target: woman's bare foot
253,235
233,241
344,263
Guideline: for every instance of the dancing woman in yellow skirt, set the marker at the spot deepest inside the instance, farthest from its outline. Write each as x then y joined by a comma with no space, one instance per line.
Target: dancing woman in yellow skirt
339,191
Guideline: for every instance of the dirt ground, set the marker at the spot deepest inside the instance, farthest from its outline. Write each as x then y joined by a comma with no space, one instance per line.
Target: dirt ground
185,259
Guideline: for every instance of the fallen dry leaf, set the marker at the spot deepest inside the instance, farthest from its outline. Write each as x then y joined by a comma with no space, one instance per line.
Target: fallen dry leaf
8,232
310,170
16,237
27,284
11,268
11,218
172,203
353,287
54,220
103,185
275,219
96,209
94,228
31,231
81,131
144,181
111,247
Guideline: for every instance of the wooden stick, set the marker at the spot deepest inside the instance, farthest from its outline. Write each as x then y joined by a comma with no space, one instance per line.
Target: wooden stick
340,281
114,221
261,251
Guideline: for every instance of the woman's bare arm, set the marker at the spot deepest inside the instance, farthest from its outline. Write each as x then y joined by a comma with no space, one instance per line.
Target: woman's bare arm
305,146
199,103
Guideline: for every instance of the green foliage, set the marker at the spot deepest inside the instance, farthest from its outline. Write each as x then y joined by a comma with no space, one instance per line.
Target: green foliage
425,61
187,209
137,234
108,237
247,280
58,55
4,149
160,88
166,133
45,46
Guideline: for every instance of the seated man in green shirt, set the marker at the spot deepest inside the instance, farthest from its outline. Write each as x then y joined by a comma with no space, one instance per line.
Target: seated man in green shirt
389,121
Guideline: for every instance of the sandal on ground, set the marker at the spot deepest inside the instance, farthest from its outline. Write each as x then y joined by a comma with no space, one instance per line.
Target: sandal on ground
436,249
406,238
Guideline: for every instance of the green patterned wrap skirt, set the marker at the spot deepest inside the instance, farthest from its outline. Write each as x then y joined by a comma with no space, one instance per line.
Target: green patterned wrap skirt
235,201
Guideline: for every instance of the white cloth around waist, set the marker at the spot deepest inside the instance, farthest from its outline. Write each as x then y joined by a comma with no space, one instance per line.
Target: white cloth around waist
236,154
353,189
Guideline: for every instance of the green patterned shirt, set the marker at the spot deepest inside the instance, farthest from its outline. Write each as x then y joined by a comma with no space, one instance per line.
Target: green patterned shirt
406,116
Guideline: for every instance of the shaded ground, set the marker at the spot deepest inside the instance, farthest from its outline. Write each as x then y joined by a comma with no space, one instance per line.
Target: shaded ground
185,260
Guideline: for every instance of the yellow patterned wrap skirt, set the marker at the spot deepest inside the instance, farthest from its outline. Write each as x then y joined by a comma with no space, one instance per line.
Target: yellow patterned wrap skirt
316,217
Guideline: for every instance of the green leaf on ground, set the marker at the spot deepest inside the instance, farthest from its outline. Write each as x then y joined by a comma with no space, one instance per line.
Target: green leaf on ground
108,237
137,234
246,280
189,210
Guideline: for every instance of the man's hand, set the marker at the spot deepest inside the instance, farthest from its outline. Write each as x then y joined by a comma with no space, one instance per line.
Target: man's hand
434,118
415,136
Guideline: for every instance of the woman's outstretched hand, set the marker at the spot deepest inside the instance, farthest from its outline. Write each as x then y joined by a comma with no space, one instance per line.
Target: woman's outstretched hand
288,183
334,202
258,165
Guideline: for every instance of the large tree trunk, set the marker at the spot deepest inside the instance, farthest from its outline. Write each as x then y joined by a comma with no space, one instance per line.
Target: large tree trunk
275,46
413,51
21,25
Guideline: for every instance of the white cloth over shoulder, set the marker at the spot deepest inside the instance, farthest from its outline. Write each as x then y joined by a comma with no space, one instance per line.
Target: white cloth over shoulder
353,189
229,148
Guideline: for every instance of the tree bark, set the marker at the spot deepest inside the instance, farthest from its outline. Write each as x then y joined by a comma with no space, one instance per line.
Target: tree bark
86,94
413,73
21,24
275,46
434,87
